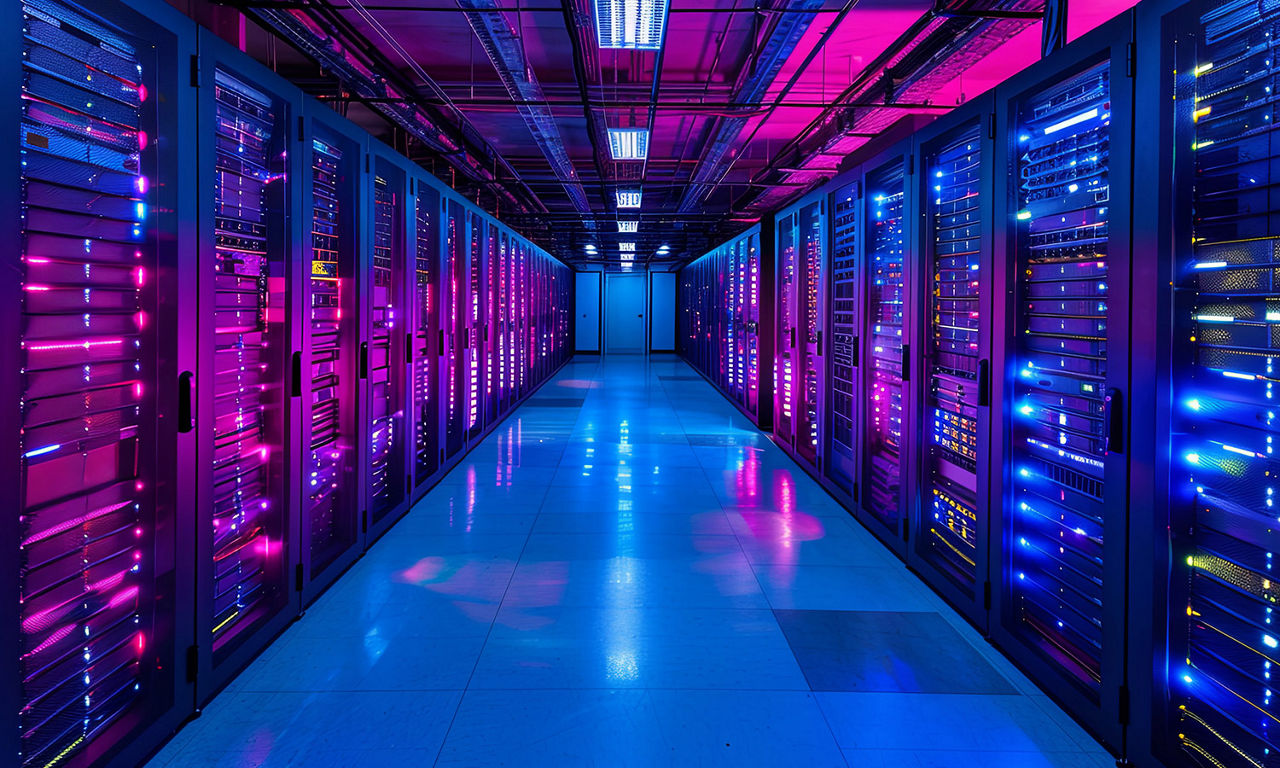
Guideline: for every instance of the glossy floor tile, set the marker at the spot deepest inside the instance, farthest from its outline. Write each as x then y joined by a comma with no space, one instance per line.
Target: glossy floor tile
627,573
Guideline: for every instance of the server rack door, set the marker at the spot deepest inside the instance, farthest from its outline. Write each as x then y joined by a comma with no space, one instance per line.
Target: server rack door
844,394
886,425
513,320
953,453
474,304
249,196
1213,694
490,334
383,359
327,376
95,257
785,365
454,294
1066,126
811,322
751,320
502,317
426,333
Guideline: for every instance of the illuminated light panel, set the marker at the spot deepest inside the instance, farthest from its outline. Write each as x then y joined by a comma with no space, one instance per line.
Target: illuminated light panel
628,198
628,227
1070,121
631,24
629,143
626,247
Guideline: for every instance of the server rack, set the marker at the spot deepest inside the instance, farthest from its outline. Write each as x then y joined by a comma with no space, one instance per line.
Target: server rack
427,331
798,367
1203,641
951,458
98,460
888,215
385,352
245,417
491,331
724,321
474,301
1064,128
326,374
844,305
453,295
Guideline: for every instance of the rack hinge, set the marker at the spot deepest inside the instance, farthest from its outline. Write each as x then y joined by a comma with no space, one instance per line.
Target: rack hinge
986,595
1124,704
1130,59
195,71
193,662
991,126
911,164
298,576
367,164
302,128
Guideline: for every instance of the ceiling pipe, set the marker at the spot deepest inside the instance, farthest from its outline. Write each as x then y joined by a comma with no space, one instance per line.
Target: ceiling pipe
305,33
502,45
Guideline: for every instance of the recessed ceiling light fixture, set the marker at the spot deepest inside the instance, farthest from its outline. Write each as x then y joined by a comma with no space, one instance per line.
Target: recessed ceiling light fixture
634,24
629,143
625,247
628,226
628,198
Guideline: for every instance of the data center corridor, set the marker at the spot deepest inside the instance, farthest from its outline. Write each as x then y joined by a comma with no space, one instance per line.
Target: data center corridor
627,573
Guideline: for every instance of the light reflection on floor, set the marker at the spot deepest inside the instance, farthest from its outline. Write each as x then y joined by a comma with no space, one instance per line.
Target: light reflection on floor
597,583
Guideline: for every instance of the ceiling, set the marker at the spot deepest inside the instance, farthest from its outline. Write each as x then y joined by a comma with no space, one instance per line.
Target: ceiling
747,104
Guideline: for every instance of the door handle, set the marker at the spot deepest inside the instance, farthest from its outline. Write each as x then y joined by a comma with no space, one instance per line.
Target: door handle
364,359
984,382
185,422
1113,421
296,375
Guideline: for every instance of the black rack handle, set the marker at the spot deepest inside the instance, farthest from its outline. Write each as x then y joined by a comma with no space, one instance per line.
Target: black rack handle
408,347
1113,421
906,362
440,344
364,359
984,382
855,353
819,342
295,375
793,338
185,421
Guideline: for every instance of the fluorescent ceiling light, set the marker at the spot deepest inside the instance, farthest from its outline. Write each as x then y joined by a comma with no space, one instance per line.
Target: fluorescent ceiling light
628,198
627,247
628,257
629,143
663,249
634,24
628,226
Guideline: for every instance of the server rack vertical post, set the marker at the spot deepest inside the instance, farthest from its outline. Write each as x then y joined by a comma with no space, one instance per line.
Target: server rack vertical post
326,363
889,216
249,210
384,360
98,246
950,457
1061,373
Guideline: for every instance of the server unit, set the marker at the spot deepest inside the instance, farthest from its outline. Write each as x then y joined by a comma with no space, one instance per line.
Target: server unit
454,297
326,373
888,297
248,196
97,564
798,363
951,457
1064,128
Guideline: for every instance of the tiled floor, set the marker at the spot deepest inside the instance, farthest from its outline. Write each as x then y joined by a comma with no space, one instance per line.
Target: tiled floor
627,573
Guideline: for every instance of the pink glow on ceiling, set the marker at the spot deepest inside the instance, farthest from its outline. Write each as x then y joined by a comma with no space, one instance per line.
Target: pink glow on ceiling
1085,16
